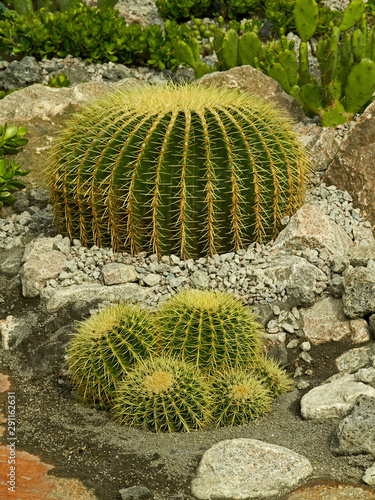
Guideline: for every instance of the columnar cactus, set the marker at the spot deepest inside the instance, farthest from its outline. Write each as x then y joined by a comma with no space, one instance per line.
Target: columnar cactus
176,169
238,397
163,394
106,345
210,330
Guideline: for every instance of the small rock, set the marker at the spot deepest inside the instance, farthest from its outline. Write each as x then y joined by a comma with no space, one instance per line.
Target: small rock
369,477
354,359
115,274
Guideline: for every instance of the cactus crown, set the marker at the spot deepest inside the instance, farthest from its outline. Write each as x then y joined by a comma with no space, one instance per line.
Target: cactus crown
176,169
163,394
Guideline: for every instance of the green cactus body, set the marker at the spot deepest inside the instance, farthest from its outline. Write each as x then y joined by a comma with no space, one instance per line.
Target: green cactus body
217,43
289,62
333,115
184,52
352,15
358,45
322,53
369,43
360,85
105,345
230,49
274,378
306,14
163,395
210,330
311,97
201,69
195,48
303,68
248,48
294,92
277,72
330,68
345,50
176,169
238,398
373,47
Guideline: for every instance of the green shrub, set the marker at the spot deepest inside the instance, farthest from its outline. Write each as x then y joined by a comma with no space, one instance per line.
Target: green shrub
106,345
98,35
181,9
235,8
121,175
163,394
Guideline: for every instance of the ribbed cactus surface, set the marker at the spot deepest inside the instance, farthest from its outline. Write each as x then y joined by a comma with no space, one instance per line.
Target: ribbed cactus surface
176,169
163,394
106,345
210,330
274,378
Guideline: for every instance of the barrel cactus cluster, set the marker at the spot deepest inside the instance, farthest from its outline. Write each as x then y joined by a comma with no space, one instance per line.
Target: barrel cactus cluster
176,169
196,361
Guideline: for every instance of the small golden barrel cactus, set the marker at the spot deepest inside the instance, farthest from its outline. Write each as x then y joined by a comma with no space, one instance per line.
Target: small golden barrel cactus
104,346
270,373
210,330
183,169
238,397
163,394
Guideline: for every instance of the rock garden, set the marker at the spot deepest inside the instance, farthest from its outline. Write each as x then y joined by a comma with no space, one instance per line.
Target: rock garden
187,291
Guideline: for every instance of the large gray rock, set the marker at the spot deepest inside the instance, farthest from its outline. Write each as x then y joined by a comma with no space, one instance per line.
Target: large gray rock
333,399
352,169
254,81
356,432
321,143
325,321
56,298
359,292
20,74
40,268
312,229
248,469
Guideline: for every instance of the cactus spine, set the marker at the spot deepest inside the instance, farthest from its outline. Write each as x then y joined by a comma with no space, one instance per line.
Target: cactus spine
210,330
176,169
165,395
105,346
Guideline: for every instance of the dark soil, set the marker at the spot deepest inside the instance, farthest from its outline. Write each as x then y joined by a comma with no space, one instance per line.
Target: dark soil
89,445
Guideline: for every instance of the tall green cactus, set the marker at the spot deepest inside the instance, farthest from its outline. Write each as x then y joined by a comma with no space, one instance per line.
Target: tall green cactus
176,169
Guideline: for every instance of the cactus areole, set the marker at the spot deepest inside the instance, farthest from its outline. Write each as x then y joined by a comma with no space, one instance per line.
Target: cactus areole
187,169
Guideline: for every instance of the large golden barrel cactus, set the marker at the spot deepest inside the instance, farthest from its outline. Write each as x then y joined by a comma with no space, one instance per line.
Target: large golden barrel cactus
169,169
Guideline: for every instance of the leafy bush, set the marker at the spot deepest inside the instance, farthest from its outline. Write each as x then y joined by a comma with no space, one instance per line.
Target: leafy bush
181,9
95,35
230,9
11,138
